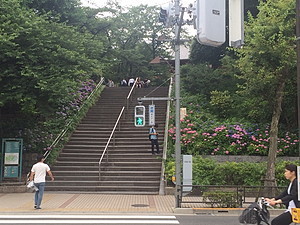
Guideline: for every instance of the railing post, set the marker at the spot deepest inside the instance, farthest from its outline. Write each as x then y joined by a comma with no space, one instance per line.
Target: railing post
99,172
240,194
114,141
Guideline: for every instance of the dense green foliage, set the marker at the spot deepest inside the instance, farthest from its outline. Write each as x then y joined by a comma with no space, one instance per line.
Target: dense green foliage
53,53
210,172
243,101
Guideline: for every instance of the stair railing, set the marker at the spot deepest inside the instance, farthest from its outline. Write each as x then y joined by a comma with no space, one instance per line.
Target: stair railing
165,147
108,142
129,96
67,127
112,134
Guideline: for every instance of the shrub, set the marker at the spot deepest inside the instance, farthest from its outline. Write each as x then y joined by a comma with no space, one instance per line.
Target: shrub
221,199
209,172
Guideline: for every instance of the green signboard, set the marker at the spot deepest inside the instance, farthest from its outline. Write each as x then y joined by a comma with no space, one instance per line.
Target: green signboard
11,161
11,171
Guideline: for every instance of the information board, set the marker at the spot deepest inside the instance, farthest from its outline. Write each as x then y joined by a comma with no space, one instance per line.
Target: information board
11,161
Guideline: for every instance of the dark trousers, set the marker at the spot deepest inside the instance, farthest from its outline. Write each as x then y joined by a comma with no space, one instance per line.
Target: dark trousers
282,219
154,142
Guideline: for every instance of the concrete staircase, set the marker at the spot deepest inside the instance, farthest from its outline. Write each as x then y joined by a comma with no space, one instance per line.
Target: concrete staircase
131,168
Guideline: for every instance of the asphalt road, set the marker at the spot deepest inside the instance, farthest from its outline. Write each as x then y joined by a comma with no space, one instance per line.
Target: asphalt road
120,219
209,220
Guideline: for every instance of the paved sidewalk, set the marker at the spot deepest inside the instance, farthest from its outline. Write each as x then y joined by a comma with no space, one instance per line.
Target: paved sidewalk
87,203
94,203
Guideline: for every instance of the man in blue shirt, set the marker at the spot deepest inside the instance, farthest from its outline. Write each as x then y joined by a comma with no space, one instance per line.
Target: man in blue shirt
153,135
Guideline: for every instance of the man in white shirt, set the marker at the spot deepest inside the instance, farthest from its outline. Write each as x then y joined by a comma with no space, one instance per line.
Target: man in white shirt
38,175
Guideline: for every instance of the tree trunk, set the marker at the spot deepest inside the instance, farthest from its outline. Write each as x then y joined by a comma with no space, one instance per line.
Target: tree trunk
269,181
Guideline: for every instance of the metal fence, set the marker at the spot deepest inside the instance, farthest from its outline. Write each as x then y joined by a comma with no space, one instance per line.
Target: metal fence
223,196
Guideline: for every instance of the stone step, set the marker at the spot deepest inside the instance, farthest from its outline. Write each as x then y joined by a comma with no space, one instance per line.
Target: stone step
105,173
109,163
104,183
68,159
104,167
100,147
145,151
107,189
106,178
131,168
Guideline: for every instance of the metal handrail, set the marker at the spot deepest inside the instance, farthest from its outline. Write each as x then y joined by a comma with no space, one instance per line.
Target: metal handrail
64,131
113,131
109,139
130,92
165,147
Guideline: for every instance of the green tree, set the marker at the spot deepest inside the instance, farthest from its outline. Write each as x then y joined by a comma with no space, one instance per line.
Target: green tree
267,62
42,61
202,79
133,38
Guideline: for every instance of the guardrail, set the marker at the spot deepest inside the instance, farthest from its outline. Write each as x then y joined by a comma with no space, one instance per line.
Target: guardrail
66,129
105,151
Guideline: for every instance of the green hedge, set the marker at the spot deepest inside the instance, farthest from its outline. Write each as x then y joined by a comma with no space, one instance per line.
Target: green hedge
210,172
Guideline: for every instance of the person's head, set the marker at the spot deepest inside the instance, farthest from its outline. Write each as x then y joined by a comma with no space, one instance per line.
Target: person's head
290,172
40,158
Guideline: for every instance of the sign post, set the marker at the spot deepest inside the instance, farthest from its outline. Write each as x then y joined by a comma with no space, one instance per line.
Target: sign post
11,163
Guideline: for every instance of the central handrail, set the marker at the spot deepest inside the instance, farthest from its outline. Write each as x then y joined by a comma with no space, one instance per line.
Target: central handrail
109,139
130,92
113,130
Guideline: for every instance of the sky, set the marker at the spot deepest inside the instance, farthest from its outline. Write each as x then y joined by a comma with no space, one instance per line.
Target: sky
128,3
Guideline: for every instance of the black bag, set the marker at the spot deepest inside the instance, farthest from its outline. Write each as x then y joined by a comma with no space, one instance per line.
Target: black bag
149,137
250,215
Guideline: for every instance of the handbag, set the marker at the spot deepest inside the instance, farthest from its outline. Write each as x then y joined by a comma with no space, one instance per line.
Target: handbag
30,185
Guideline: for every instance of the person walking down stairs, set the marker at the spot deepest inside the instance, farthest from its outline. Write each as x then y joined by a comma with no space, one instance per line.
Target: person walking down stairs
153,135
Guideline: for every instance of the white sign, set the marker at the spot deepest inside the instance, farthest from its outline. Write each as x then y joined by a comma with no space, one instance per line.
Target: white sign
151,115
187,172
11,158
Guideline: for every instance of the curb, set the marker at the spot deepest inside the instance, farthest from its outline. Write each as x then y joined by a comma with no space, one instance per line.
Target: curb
220,211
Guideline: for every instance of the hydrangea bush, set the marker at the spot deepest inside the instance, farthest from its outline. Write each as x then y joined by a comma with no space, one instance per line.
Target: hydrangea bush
39,138
207,137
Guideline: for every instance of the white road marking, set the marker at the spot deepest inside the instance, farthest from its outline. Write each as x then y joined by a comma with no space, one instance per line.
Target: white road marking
89,222
69,216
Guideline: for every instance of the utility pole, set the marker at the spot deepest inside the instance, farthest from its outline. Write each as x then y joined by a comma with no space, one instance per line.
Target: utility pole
177,107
